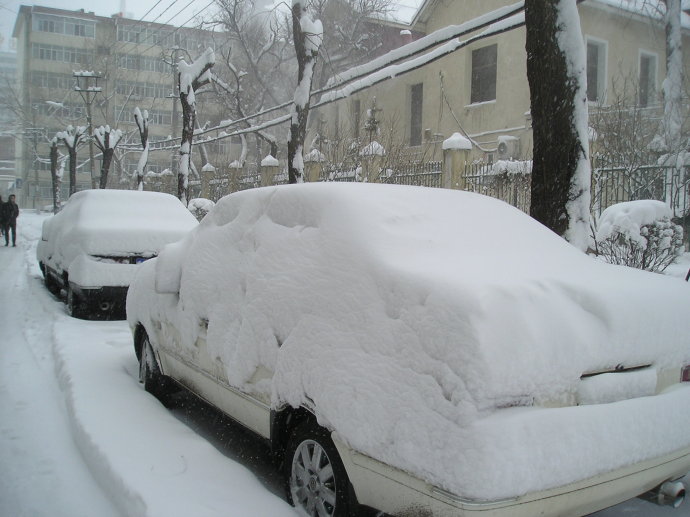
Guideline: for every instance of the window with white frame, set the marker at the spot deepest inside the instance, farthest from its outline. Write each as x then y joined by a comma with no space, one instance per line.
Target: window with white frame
484,67
416,101
596,70
647,78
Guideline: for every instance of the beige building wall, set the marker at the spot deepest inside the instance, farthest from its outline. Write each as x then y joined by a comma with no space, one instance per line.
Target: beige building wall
447,106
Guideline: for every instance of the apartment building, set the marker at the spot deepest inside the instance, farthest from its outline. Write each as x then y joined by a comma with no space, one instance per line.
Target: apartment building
133,62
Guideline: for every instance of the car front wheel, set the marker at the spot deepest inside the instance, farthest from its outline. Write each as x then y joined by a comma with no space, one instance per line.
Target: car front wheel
316,480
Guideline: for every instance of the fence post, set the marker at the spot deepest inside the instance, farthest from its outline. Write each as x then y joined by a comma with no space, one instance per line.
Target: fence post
269,169
208,173
313,164
235,172
456,150
372,158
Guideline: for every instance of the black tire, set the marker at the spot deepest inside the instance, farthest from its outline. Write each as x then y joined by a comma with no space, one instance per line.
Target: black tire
51,284
315,479
150,374
75,306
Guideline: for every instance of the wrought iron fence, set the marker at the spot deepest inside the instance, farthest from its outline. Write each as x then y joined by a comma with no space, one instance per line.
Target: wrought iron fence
424,174
670,184
510,184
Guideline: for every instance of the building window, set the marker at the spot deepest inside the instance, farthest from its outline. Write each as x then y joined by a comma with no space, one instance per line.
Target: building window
416,100
356,117
596,70
647,78
484,64
62,25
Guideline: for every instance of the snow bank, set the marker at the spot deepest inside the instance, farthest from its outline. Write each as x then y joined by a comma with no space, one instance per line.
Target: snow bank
375,300
151,464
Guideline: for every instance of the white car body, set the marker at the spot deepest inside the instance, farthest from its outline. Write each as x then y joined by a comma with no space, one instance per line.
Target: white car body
92,247
465,360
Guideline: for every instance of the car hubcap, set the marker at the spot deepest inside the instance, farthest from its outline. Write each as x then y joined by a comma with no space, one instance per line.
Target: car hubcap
312,483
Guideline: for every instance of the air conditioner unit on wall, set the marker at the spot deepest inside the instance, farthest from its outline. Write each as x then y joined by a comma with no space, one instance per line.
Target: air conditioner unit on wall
508,147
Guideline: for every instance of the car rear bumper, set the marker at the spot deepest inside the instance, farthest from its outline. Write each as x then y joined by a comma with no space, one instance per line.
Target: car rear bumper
641,466
397,493
104,300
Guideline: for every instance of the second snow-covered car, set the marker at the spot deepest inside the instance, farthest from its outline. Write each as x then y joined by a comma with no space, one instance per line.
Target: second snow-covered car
423,352
92,247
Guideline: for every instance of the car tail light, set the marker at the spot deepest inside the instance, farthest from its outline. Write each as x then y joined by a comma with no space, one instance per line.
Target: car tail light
685,373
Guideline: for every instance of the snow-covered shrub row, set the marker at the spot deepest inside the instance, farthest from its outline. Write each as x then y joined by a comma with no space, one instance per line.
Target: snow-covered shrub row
639,234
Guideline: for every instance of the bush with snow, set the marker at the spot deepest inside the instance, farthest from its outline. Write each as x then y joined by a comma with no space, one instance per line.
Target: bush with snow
200,206
639,234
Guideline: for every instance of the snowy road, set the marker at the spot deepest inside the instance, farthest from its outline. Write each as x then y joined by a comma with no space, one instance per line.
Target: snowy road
80,437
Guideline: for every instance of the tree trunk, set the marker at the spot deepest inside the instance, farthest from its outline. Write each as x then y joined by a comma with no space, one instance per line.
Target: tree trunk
54,176
306,50
555,71
673,84
72,151
188,119
105,165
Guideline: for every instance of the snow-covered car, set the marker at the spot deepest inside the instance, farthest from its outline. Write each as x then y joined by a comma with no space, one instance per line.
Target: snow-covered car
422,352
92,247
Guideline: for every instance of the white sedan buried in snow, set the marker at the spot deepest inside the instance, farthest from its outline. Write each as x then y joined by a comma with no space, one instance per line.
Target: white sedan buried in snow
422,352
91,248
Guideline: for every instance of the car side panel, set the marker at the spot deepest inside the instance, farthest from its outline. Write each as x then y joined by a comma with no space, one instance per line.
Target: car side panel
194,368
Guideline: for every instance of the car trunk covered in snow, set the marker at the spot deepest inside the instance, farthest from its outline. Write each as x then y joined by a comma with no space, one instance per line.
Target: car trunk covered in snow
441,332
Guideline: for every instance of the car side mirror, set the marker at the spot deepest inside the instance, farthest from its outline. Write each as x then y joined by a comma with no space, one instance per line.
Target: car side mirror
168,274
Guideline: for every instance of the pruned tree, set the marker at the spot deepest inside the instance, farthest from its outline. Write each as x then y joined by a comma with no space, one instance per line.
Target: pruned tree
307,35
556,67
258,48
191,77
669,139
106,140
56,171
351,33
142,121
71,138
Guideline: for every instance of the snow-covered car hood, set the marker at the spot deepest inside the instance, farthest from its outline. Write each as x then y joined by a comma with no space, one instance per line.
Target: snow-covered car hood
404,316
116,223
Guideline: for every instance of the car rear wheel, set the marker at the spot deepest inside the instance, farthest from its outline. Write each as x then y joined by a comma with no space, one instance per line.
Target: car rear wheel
150,373
316,480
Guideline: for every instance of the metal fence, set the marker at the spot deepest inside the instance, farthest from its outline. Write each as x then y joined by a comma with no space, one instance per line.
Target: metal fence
670,184
510,184
425,174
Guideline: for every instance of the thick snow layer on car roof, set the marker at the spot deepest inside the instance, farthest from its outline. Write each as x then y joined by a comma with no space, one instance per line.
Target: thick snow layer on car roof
405,317
114,223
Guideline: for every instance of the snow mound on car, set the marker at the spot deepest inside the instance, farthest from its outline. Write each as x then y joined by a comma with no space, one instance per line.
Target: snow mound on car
406,316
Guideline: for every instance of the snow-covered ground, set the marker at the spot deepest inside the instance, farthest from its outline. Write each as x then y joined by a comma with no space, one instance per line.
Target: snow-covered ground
80,437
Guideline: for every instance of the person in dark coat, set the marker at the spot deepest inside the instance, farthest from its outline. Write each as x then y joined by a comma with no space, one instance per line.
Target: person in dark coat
2,217
10,212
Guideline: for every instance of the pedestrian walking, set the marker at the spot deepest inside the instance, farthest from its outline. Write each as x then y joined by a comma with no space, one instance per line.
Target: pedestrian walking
2,217
10,212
